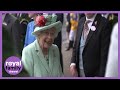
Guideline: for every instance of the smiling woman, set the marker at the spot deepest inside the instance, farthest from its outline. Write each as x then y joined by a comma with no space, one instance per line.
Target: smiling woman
41,58
46,39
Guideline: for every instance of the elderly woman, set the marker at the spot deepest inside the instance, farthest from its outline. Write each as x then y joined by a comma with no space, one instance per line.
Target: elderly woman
41,58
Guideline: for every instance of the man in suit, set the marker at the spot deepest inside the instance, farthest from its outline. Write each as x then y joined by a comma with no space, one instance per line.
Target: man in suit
90,53
14,29
8,50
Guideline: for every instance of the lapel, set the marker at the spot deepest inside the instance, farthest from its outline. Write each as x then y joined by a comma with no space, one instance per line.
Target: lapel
8,20
95,23
80,30
51,58
41,56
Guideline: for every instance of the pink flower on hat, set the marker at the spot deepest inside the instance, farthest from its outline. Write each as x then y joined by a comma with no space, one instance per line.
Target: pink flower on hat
40,21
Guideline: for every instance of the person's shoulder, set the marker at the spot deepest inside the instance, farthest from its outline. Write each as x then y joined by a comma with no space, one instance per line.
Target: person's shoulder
11,18
102,19
29,47
54,49
24,21
81,19
54,46
31,22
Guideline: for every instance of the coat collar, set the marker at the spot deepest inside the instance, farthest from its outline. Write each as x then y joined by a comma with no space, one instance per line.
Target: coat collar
38,50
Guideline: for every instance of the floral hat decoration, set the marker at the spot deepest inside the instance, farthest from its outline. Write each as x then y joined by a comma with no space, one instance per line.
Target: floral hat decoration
45,22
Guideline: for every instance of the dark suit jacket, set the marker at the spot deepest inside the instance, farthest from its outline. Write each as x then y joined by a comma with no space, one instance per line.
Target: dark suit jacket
8,50
14,28
58,40
96,48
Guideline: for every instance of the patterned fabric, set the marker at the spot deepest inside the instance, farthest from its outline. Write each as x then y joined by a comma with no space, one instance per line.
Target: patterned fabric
86,29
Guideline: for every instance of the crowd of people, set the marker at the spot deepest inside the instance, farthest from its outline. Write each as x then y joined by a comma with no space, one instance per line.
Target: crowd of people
36,38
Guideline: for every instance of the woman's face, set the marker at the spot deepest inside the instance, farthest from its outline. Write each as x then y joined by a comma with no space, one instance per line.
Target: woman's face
46,38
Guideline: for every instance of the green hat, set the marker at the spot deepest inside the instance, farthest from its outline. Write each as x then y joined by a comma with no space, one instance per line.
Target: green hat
45,22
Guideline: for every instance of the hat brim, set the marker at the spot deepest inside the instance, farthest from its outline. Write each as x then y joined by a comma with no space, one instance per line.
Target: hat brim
57,25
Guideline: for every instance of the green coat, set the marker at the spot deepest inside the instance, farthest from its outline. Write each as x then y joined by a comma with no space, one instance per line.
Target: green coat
36,65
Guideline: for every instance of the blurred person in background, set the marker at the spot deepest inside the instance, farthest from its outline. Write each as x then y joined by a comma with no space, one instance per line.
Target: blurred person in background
14,29
73,29
68,25
112,63
29,38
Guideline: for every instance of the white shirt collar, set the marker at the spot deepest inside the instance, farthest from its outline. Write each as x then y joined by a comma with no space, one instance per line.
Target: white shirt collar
91,19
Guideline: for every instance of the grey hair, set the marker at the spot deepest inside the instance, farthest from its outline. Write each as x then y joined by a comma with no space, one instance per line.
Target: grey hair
37,35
